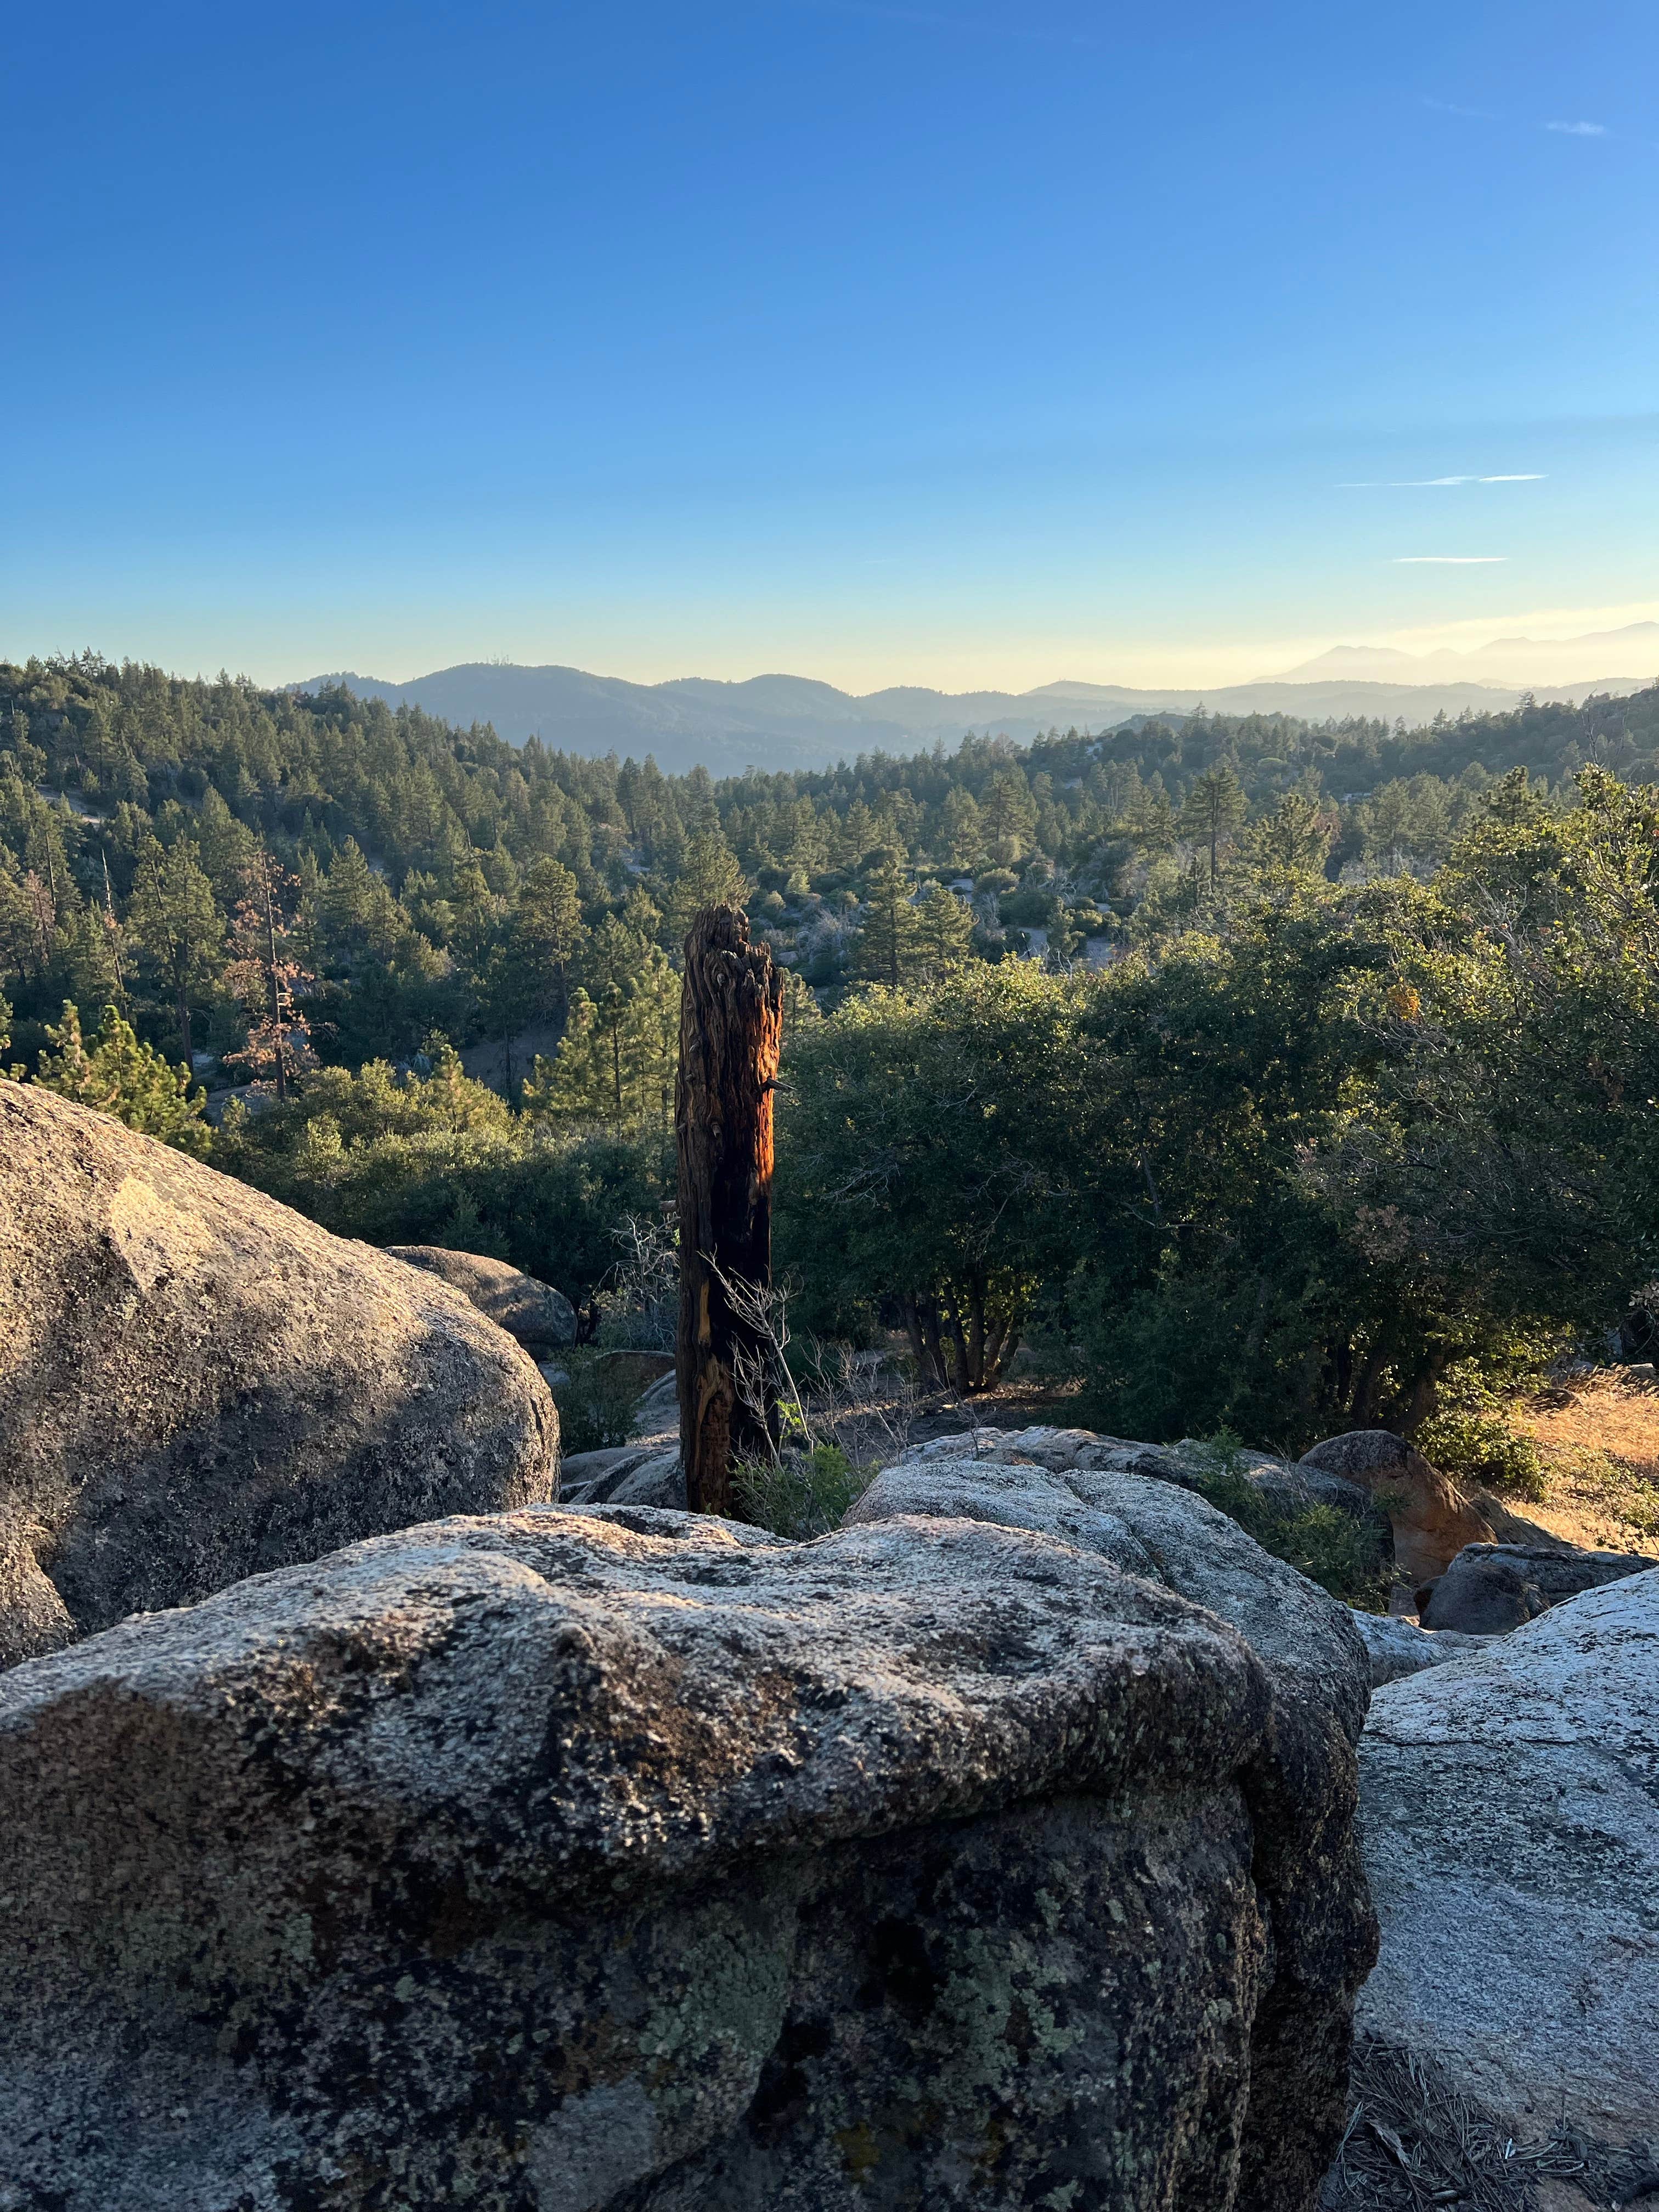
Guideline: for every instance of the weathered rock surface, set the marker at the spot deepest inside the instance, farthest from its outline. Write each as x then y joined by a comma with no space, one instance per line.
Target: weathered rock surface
621,1861
657,1408
633,1478
1398,1648
533,1314
197,1384
1490,1588
1322,1935
1511,1837
1432,1520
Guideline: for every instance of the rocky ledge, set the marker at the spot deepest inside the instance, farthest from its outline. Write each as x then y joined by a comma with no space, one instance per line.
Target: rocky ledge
625,1861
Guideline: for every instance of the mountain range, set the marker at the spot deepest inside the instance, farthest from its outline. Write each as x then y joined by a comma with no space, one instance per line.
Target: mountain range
1527,663
796,722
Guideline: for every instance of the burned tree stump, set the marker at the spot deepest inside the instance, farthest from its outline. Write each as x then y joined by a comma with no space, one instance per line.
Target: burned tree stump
731,1027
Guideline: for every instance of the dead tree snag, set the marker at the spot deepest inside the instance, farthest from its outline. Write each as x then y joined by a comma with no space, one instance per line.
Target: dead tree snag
731,1027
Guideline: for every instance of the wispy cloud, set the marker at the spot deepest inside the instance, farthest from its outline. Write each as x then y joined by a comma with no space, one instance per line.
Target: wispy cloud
1564,128
1470,114
1448,559
1439,484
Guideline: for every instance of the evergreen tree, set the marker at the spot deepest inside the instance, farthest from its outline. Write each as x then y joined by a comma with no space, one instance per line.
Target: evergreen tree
177,926
122,1076
1213,809
710,877
943,934
886,947
1151,818
1009,814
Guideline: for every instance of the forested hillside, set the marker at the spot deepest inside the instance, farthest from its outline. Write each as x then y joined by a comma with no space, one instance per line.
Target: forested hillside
1328,1100
204,854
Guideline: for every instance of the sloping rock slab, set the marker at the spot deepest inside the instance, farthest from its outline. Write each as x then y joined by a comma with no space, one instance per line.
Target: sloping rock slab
1398,1648
1312,1885
1190,1465
618,1861
533,1314
1512,1838
197,1383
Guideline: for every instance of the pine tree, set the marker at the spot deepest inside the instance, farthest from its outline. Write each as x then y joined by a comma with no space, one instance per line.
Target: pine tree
178,926
547,936
886,945
1213,809
710,877
1009,814
1151,818
944,931
124,1078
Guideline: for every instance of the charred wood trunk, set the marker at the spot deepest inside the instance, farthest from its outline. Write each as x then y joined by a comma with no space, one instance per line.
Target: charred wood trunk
731,1028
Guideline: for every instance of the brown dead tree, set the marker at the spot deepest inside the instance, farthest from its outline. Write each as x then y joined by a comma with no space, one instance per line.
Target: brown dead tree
731,1029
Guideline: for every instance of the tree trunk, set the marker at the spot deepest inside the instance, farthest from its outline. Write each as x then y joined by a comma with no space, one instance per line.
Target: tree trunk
939,1378
731,1028
959,1347
275,990
1426,1390
913,1325
184,1031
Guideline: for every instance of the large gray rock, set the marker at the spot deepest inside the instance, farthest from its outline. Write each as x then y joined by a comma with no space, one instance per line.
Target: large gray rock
197,1383
632,1478
1510,1834
1280,1488
1397,1648
622,1861
1490,1588
1323,1936
533,1314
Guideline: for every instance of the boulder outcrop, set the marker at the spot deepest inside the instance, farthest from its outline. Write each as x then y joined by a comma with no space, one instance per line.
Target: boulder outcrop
533,1314
1053,1482
1432,1520
631,1862
1490,1588
198,1384
1510,1836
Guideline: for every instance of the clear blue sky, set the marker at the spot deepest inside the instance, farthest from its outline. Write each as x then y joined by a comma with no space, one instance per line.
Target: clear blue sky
962,343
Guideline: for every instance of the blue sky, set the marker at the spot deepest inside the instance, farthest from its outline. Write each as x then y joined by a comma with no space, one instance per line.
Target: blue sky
961,344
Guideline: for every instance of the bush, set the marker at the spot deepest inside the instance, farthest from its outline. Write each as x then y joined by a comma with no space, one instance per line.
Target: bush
596,1404
442,1161
1477,1448
804,1494
1330,1546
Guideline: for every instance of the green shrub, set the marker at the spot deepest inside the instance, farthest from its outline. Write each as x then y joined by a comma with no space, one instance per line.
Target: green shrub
804,1494
1331,1547
1477,1448
596,1404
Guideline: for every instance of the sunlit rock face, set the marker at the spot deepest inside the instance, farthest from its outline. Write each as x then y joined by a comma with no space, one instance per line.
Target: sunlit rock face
198,1384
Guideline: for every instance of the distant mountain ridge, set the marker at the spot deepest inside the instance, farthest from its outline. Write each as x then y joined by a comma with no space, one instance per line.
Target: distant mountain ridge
1526,663
780,722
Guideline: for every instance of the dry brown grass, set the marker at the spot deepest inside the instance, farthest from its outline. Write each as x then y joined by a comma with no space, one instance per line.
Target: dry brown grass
1599,1437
